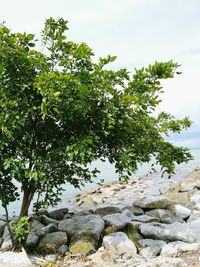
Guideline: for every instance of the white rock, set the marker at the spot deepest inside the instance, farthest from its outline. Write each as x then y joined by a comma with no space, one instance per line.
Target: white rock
164,262
14,259
172,248
180,211
195,216
119,244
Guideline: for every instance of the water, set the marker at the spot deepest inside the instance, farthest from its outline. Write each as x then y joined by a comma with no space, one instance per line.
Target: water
109,175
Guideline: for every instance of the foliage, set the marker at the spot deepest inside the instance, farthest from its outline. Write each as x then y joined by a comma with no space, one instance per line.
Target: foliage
20,231
60,110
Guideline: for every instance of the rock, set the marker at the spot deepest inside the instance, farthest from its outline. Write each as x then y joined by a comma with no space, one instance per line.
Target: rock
109,230
36,225
91,225
7,244
32,241
165,216
153,202
151,247
165,262
84,245
47,229
103,211
2,226
117,220
50,258
84,213
63,249
179,198
135,210
163,190
173,248
46,220
145,218
195,200
51,242
180,211
187,232
43,211
14,259
58,214
195,216
119,244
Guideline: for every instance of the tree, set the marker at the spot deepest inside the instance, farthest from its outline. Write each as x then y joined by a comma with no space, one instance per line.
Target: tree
60,110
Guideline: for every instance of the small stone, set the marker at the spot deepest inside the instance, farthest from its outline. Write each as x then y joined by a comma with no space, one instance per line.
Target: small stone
63,249
145,218
50,258
135,210
179,198
43,211
165,216
180,211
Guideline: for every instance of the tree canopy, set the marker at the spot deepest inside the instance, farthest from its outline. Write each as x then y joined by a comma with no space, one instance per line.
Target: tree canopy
61,110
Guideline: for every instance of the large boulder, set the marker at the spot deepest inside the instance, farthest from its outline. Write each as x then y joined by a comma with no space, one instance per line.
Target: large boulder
134,210
117,220
187,232
173,248
90,225
32,241
50,228
179,197
118,244
152,202
14,259
51,242
145,218
83,245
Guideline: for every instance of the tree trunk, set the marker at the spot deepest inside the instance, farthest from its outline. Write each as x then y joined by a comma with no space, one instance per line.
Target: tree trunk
27,197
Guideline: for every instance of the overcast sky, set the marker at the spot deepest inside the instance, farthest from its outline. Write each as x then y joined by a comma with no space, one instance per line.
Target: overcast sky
138,32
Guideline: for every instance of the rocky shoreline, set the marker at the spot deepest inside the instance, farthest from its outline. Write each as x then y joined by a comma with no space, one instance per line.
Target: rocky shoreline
149,221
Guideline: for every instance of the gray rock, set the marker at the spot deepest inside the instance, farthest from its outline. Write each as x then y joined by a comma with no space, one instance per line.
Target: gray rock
118,244
63,249
91,225
14,259
52,241
36,226
173,248
32,241
165,216
117,220
83,245
151,247
103,211
58,214
47,229
145,218
46,220
134,210
43,211
83,213
187,232
152,202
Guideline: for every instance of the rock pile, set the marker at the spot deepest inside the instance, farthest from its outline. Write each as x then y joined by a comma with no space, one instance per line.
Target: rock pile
152,230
